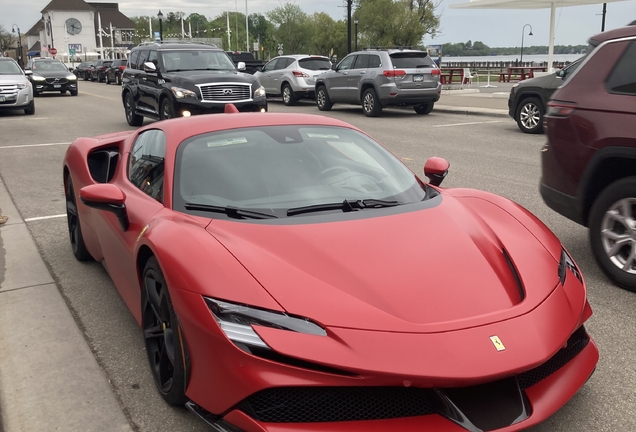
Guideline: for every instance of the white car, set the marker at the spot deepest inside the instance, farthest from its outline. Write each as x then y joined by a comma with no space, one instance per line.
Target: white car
16,91
292,77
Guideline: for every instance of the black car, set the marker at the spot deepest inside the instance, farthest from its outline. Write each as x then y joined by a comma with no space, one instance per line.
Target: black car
114,71
165,80
49,75
98,71
528,99
83,70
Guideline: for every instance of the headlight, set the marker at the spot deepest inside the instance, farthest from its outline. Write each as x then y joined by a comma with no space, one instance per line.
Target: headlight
259,92
38,78
236,321
181,93
567,263
71,78
23,85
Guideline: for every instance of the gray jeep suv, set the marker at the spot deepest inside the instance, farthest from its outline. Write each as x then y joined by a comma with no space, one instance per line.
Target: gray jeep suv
379,78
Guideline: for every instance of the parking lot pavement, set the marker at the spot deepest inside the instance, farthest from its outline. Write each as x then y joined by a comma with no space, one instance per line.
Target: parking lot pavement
50,378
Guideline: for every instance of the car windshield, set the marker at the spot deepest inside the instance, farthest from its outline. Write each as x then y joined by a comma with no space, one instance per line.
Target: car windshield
410,60
9,68
315,64
188,60
49,66
273,169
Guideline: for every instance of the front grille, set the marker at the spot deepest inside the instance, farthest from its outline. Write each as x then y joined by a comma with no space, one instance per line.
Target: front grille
336,404
226,92
56,80
576,343
8,89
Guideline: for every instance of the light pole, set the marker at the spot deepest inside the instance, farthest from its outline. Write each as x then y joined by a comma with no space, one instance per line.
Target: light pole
523,31
355,22
15,26
160,16
349,26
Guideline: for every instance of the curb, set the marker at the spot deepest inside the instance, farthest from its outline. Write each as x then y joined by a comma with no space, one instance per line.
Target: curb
459,92
471,111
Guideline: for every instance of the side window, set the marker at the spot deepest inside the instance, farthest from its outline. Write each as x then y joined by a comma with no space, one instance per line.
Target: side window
153,58
347,63
362,62
134,60
282,63
143,58
374,61
270,66
146,164
622,80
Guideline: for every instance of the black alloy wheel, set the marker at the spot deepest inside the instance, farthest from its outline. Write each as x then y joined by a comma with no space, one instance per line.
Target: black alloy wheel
529,116
132,117
167,111
322,99
73,221
163,336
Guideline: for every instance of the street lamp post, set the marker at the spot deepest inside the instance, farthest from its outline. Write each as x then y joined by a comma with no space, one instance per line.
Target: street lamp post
349,26
15,26
160,16
523,31
355,22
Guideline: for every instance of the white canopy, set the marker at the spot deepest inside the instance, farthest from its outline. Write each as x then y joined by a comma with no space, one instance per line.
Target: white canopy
530,4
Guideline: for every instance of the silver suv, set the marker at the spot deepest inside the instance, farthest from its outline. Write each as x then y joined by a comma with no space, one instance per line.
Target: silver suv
16,91
293,76
381,78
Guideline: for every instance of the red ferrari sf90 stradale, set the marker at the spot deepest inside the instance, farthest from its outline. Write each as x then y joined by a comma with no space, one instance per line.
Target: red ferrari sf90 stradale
290,274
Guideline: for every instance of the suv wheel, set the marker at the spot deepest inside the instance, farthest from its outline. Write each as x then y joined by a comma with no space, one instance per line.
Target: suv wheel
530,116
322,99
424,109
288,95
30,109
613,232
166,111
132,118
106,79
370,103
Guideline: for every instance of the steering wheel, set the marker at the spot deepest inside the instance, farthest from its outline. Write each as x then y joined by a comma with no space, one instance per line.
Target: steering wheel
331,171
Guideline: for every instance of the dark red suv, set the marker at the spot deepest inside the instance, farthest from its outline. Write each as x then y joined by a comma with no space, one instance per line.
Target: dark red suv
589,162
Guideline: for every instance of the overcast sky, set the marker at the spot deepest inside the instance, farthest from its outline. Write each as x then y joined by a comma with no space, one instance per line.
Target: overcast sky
495,28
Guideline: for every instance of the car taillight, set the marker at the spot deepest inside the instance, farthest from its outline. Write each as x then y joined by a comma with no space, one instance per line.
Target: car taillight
436,72
394,73
300,74
560,110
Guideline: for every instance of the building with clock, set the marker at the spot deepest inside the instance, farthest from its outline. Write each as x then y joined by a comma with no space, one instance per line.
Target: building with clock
70,29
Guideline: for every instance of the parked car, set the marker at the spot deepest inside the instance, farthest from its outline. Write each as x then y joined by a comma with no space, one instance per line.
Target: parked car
295,266
293,77
381,78
50,75
589,161
528,99
247,58
16,91
182,79
98,71
83,70
114,71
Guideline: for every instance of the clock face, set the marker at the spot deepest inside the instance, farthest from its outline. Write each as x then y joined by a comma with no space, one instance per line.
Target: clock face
73,26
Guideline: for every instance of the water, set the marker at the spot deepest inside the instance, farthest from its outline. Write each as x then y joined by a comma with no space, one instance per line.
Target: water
536,58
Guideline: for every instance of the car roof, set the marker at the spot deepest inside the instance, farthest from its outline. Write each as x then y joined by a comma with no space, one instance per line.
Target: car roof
302,56
618,33
176,45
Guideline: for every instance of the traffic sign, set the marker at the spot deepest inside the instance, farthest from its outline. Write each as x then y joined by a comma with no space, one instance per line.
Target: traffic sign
71,52
53,51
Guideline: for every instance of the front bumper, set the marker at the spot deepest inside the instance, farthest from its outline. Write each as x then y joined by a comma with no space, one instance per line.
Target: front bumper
43,86
196,106
16,100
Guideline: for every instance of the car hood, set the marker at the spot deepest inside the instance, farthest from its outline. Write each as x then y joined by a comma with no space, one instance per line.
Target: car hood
431,269
12,79
53,74
546,81
208,77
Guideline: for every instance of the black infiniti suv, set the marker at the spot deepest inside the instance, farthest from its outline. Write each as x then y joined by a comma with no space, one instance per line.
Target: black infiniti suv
165,80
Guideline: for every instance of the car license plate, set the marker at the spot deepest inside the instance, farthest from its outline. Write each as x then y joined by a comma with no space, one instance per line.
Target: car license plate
57,85
417,78
1,98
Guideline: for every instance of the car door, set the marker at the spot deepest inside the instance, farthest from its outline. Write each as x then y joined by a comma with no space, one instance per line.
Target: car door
265,77
277,73
142,183
357,74
149,84
142,84
339,80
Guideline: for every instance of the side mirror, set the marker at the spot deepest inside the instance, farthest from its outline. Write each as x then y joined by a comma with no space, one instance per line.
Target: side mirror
436,169
259,68
70,69
561,73
241,66
150,67
106,197
28,72
334,66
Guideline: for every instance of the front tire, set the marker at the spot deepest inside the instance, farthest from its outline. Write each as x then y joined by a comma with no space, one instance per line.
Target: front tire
322,99
30,109
529,116
73,221
370,104
167,111
613,232
132,117
288,95
163,336
424,109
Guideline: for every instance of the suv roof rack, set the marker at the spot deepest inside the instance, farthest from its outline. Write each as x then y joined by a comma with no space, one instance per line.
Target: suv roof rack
176,42
380,48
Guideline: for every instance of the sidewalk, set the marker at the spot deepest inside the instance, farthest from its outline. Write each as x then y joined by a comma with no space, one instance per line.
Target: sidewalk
476,100
49,378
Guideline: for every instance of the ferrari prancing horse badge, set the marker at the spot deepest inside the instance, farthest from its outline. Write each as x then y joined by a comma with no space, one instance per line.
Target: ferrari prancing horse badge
497,343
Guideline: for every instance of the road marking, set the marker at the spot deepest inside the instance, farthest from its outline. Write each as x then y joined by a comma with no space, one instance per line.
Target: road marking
45,217
34,145
23,118
467,124
100,96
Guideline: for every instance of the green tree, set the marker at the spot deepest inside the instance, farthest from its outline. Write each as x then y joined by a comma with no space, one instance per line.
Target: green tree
291,28
326,35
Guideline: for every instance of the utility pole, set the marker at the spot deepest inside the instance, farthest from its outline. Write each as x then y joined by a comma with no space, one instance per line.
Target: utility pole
349,25
604,13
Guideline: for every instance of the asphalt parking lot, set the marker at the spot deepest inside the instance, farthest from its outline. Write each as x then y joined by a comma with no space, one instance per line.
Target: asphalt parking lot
487,153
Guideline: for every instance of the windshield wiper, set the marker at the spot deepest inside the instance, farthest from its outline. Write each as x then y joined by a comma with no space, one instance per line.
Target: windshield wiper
345,206
233,212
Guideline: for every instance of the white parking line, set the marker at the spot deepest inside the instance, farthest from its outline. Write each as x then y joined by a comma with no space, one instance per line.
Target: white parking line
467,124
34,145
45,217
100,96
23,118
